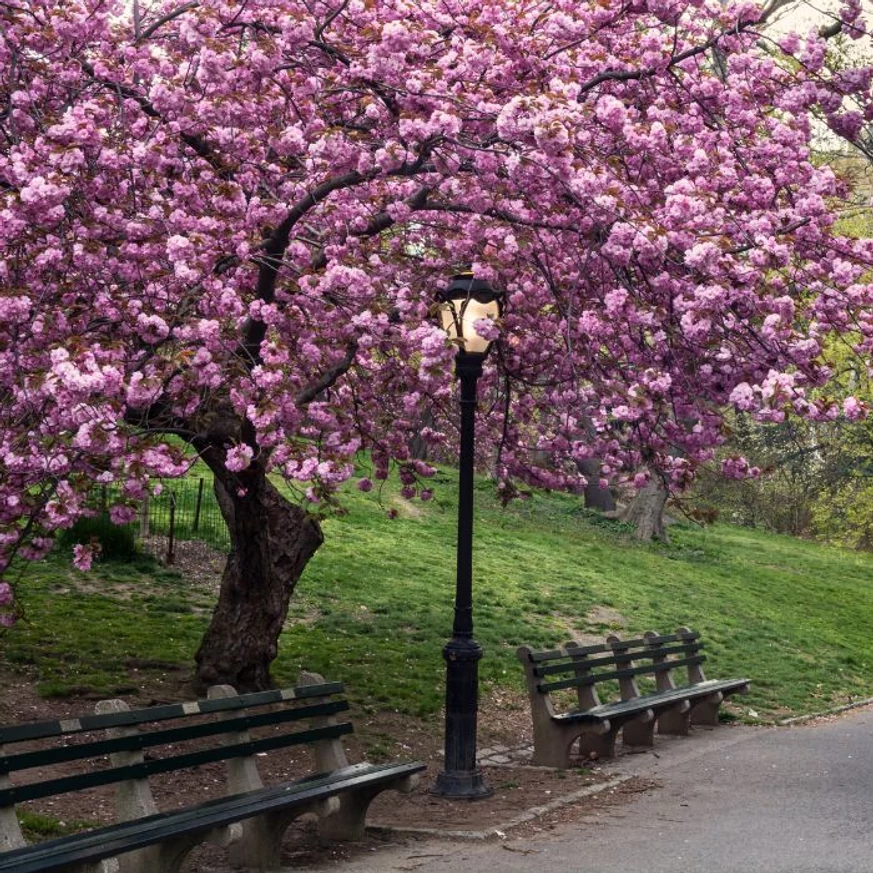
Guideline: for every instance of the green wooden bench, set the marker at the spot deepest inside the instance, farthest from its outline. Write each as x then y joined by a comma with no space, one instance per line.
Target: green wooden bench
615,668
226,727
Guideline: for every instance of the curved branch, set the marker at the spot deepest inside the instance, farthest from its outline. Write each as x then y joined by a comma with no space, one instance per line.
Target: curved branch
196,143
164,19
328,378
647,72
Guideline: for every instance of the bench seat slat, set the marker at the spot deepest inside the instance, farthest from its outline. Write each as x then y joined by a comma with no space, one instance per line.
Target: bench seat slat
111,775
116,839
42,730
139,741
660,700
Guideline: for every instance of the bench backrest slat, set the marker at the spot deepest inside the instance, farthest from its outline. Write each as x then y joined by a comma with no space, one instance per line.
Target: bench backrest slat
577,663
41,730
556,654
594,678
144,740
111,775
662,639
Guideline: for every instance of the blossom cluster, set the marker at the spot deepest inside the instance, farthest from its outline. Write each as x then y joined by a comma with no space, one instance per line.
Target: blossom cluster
232,233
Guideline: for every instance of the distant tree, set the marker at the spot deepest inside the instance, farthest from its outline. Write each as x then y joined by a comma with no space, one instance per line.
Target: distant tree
646,510
222,225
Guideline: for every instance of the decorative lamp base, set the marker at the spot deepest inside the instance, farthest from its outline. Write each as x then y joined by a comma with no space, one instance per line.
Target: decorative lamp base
468,784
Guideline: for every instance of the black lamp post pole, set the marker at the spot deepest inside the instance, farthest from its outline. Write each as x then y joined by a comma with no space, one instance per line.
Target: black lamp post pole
461,777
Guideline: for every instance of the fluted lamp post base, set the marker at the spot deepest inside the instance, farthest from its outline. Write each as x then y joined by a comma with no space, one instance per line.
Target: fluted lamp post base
462,783
461,778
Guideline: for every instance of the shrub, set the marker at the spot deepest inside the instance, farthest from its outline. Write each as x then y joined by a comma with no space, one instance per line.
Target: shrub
117,542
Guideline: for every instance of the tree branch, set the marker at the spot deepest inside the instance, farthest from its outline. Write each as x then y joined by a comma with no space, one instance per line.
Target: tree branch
199,145
319,33
274,251
631,75
164,19
307,395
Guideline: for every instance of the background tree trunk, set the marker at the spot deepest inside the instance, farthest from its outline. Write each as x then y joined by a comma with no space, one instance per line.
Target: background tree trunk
646,511
596,497
271,542
418,447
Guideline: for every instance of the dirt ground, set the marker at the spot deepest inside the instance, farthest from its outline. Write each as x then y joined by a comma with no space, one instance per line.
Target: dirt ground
503,721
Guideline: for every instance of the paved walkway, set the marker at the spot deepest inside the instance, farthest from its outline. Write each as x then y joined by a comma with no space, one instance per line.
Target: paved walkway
731,800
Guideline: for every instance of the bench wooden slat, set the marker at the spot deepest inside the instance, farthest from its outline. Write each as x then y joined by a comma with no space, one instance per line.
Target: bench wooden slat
584,663
657,640
594,678
568,666
555,654
659,700
647,642
664,651
117,839
42,730
140,741
111,775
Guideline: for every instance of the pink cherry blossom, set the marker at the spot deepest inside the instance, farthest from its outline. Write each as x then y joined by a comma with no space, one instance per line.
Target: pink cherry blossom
83,555
229,234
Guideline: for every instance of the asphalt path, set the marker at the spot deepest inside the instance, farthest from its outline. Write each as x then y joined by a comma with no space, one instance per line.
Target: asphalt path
728,800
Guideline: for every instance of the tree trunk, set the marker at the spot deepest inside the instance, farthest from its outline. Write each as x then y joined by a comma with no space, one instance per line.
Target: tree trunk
596,497
418,447
646,512
271,542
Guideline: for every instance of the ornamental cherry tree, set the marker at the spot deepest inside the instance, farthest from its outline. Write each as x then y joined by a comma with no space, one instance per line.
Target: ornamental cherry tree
223,223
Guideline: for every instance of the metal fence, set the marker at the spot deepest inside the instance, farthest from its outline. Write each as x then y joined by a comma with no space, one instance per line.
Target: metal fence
186,509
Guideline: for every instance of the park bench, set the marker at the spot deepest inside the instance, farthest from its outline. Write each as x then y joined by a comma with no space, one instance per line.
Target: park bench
616,669
226,727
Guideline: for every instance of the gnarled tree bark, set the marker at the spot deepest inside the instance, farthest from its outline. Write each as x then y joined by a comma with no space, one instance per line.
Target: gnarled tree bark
271,542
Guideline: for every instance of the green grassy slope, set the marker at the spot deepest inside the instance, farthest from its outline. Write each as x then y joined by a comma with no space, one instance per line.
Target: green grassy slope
375,605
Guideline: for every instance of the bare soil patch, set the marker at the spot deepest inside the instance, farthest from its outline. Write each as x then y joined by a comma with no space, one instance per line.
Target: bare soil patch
199,563
504,721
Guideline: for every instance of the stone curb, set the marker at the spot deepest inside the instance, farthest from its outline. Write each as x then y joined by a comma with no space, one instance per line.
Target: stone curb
799,719
498,830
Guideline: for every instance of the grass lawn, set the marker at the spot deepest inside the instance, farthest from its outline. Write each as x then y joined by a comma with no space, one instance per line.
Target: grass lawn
375,605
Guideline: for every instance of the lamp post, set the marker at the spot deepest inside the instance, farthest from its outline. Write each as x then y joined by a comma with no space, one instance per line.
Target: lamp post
464,302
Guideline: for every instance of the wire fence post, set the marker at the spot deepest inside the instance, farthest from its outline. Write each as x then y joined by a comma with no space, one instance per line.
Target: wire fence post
196,525
171,555
144,518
